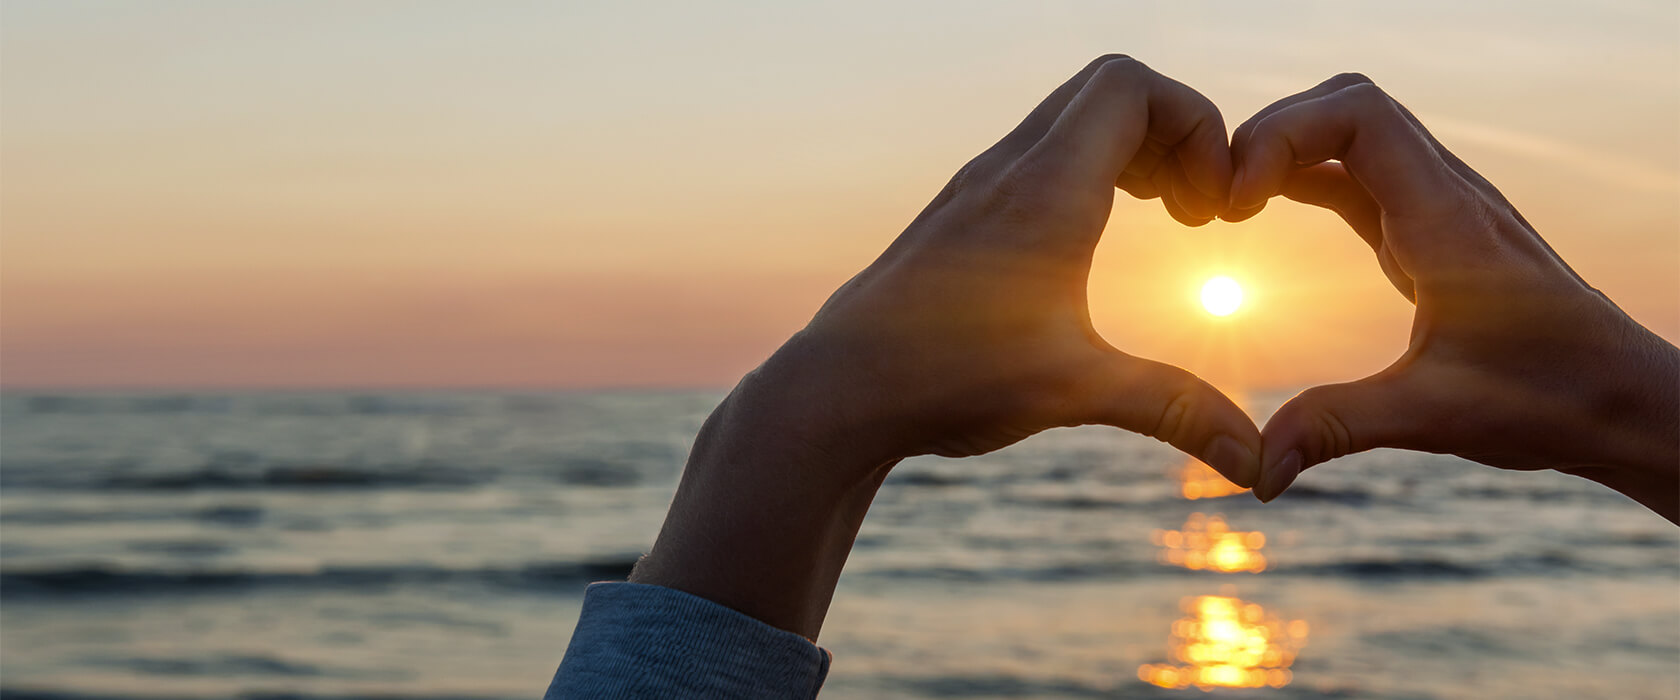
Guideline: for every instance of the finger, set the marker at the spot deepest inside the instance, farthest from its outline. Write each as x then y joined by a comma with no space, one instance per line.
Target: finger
1155,172
1362,127
1199,208
1486,187
1396,274
1169,181
1039,120
1097,137
1337,82
1457,164
1234,214
1171,405
1328,185
1334,83
1241,136
1334,420
1138,186
1139,176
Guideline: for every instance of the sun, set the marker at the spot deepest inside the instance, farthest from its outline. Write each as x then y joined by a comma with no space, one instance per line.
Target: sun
1221,296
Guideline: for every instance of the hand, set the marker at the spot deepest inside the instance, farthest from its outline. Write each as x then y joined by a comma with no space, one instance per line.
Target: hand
1514,361
971,332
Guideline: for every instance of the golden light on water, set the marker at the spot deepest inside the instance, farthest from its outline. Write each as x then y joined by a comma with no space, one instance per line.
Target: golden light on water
1221,296
1207,544
1224,641
1197,480
1227,642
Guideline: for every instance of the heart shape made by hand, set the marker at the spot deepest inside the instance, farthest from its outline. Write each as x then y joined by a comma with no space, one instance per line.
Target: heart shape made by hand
1513,361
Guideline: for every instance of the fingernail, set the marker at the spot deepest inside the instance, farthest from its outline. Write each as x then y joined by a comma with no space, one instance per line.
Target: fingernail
1236,187
1213,196
1276,478
1233,459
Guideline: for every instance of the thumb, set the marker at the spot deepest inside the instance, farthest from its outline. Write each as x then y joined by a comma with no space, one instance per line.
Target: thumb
1174,406
1330,421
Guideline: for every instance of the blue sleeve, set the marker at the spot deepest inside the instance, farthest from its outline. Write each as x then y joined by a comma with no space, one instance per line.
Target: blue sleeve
641,641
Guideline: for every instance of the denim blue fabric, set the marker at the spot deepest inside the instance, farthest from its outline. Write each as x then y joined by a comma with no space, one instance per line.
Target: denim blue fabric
640,641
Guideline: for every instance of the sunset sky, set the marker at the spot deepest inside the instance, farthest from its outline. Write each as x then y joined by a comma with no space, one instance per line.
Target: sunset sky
501,194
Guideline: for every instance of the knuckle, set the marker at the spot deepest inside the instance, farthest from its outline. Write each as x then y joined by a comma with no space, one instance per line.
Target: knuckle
1369,98
1107,58
1333,437
970,176
1120,72
1177,416
1016,195
1328,436
1344,80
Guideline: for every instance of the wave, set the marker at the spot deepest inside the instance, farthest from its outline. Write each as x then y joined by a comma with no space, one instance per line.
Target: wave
1548,564
995,685
102,580
1348,496
25,693
277,404
297,477
223,665
329,403
234,474
47,404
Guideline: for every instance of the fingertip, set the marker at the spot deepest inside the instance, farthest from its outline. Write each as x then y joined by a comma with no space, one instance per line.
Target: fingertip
1214,183
1181,216
1277,476
1173,200
1239,199
1233,446
1193,209
1234,215
1206,157
1139,187
1238,462
1195,202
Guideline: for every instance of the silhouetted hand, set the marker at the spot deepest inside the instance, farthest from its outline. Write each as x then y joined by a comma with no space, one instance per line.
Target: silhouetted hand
968,334
1514,360
971,331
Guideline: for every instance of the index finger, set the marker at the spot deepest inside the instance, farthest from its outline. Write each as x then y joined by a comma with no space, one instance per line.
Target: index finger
1098,136
1366,130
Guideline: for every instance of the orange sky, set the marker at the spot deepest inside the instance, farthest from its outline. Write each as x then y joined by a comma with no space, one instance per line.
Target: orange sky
498,194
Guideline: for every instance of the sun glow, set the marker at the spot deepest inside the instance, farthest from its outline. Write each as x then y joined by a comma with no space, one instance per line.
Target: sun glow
1221,296
1228,642
1207,543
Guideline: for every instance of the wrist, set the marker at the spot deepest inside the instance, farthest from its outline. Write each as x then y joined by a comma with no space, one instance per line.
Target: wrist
768,507
817,403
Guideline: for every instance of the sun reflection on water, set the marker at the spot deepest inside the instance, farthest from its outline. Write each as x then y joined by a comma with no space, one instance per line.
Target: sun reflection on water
1197,480
1207,543
1226,642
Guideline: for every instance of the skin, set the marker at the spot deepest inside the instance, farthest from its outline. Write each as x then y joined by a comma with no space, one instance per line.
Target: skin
1514,360
971,332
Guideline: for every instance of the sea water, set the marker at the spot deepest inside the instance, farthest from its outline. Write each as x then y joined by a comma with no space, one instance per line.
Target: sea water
436,545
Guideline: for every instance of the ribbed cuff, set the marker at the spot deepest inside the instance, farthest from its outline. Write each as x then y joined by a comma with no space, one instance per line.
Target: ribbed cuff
635,640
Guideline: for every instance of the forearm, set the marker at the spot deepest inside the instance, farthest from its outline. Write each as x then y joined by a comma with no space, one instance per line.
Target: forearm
764,516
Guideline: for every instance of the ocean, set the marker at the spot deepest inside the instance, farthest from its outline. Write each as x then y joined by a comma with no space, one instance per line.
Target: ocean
436,545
